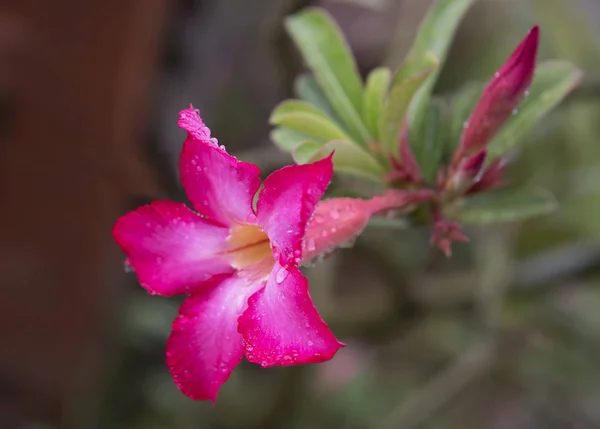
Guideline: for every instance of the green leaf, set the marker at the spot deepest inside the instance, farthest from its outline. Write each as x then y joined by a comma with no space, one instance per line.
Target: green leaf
552,81
434,138
307,88
506,205
327,54
305,151
351,159
305,118
407,81
435,34
375,91
287,139
461,106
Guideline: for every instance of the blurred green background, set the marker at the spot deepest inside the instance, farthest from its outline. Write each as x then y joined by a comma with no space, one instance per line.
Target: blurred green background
506,334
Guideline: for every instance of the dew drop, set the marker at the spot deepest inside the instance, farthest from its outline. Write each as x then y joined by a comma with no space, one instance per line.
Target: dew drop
466,124
290,230
129,269
287,357
310,245
497,74
310,344
515,111
526,93
281,275
335,214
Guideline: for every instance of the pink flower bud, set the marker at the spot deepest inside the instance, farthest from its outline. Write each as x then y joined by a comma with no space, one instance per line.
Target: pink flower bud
466,174
500,98
491,177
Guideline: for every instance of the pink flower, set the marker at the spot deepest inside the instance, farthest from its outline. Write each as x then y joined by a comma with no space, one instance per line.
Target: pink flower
238,263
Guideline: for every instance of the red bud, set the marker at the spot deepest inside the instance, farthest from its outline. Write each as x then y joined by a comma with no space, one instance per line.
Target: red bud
501,97
491,177
466,174
406,168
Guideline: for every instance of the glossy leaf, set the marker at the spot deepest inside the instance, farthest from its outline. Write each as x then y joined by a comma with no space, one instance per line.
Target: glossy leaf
374,97
505,205
351,159
553,80
307,89
287,139
429,152
327,54
435,34
305,118
407,81
305,151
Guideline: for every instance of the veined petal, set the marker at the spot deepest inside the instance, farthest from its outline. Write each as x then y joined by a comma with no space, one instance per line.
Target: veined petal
281,325
172,249
287,202
217,184
204,345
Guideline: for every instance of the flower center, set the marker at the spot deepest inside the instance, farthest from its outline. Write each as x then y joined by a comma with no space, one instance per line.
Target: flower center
250,247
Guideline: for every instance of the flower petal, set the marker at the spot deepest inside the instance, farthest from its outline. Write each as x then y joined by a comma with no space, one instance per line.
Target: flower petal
172,249
281,325
287,202
217,184
204,345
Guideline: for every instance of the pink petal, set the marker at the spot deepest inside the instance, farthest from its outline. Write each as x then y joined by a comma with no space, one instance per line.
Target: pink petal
172,249
287,202
281,325
205,345
218,185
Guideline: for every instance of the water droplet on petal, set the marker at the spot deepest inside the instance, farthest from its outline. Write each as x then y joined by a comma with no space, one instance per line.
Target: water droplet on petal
497,74
287,357
128,268
310,245
466,124
335,214
310,344
526,93
281,275
515,111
